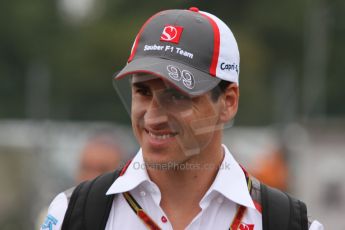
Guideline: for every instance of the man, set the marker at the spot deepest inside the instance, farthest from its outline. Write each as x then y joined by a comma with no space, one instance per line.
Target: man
183,73
101,153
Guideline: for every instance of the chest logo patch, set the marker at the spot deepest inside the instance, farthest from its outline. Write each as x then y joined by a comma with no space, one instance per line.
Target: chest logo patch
49,222
244,226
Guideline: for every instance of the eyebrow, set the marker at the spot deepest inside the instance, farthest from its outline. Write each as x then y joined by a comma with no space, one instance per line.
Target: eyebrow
174,90
169,89
140,85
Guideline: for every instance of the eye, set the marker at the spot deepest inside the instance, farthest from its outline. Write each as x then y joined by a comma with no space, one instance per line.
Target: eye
143,91
176,96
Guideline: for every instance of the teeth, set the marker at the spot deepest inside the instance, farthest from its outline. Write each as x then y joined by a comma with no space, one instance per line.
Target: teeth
161,137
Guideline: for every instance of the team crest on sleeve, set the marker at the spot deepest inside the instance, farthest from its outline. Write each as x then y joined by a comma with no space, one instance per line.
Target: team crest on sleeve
49,222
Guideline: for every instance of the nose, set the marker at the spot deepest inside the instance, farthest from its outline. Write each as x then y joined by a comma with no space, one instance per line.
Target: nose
155,116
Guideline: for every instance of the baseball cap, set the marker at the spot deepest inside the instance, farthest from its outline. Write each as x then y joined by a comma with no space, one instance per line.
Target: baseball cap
191,49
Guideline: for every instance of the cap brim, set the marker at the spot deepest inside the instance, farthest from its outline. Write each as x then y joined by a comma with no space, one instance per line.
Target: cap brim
189,80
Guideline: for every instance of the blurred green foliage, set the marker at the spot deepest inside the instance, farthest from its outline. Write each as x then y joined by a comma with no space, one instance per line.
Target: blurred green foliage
80,56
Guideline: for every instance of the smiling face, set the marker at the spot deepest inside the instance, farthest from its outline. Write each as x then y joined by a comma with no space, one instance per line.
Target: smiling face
171,126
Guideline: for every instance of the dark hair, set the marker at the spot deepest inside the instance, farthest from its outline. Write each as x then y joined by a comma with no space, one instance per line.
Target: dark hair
219,89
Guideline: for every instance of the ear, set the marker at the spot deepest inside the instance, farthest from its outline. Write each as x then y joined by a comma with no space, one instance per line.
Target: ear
229,102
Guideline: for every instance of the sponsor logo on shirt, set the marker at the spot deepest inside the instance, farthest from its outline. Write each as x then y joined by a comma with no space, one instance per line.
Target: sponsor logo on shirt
49,222
244,226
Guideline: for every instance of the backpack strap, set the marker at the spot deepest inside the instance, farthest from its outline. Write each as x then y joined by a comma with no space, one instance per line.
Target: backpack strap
281,211
89,207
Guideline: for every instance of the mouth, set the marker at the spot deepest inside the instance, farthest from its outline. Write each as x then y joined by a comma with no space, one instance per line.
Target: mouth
160,135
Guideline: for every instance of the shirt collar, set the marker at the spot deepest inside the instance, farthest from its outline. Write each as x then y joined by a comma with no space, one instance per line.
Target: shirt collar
230,182
135,175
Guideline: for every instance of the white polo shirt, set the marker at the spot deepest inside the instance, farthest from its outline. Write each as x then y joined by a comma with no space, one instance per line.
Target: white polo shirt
218,206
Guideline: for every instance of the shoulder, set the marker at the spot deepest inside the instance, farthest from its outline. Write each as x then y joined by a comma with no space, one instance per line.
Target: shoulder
259,199
316,225
56,212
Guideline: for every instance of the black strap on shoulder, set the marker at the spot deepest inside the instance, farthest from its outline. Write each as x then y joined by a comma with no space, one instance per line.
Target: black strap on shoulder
89,207
281,211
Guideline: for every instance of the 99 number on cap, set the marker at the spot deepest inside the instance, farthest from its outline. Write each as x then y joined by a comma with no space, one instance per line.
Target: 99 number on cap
177,75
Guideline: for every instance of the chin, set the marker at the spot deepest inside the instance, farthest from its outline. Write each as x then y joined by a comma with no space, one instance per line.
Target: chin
162,157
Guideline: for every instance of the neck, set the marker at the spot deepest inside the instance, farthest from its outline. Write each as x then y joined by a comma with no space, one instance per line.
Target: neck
182,190
195,171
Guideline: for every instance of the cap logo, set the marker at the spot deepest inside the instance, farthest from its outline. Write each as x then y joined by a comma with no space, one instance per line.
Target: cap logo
186,76
171,34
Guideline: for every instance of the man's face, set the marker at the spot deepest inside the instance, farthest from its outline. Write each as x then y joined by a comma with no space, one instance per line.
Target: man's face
169,125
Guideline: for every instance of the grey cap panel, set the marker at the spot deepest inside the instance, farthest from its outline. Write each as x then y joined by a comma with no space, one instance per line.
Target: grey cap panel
188,50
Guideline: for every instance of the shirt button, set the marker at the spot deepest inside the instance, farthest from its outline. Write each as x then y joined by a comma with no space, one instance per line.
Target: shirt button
164,219
142,193
220,200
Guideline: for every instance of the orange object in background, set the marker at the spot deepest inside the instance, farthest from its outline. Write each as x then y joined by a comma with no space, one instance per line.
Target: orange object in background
271,169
